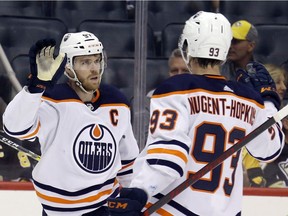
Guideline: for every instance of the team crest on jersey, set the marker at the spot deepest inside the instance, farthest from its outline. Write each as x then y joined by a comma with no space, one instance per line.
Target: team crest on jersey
94,148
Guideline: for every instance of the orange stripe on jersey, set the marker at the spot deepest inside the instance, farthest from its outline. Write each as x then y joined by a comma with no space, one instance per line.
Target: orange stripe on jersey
116,104
209,92
66,201
160,211
96,97
163,212
168,151
61,101
216,77
33,133
115,182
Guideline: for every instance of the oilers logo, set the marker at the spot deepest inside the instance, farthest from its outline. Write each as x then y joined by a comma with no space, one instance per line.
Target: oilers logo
94,148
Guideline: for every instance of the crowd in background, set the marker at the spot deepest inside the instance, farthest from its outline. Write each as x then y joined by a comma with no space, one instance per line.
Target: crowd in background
16,166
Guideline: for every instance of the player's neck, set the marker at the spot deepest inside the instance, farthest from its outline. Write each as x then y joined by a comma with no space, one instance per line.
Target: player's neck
84,96
215,70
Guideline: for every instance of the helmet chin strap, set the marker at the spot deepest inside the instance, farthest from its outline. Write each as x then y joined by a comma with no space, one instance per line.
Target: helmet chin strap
77,81
79,84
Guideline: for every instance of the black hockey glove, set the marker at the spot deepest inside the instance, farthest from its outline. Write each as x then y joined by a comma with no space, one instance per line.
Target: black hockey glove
45,70
130,202
257,77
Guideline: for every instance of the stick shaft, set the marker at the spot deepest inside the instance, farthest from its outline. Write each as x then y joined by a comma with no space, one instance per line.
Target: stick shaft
19,148
210,166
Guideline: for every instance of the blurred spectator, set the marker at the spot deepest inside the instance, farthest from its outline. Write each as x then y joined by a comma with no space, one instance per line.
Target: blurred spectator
276,172
176,66
253,173
278,74
245,37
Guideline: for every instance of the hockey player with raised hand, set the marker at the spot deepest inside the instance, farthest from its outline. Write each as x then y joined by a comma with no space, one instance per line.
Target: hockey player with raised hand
195,118
84,128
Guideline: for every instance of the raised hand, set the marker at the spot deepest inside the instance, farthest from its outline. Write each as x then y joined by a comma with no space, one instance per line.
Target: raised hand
45,70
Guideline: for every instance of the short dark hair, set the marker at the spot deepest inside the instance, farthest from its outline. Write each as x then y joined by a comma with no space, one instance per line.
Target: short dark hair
204,62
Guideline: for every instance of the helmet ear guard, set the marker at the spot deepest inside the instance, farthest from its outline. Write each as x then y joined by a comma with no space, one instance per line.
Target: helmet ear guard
70,73
183,46
206,35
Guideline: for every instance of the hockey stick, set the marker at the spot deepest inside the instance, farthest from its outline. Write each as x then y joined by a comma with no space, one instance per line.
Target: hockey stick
19,148
210,166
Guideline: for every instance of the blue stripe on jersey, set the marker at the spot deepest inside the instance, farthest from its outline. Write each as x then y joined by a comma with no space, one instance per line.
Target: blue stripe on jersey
75,193
110,94
177,206
183,82
21,133
172,142
125,173
61,92
94,206
166,163
125,162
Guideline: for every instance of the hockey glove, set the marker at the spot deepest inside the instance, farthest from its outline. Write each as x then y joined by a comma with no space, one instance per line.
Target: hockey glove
45,70
130,202
257,77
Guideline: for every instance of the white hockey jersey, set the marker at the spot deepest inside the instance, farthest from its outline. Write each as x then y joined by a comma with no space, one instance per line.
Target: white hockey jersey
193,120
86,148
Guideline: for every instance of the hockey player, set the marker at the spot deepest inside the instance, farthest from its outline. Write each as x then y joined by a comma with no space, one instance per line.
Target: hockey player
84,128
194,118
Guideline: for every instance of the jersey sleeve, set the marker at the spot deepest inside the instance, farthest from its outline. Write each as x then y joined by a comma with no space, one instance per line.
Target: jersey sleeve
167,148
20,118
28,116
268,145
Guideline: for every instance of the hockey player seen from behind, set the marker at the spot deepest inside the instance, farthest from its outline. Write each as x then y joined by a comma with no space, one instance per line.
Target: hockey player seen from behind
84,128
194,118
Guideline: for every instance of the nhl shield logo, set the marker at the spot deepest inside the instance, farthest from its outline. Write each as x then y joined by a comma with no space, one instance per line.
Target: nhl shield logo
94,148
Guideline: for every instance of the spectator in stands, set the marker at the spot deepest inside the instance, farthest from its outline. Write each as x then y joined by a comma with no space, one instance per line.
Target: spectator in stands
176,66
276,172
245,37
241,52
278,74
